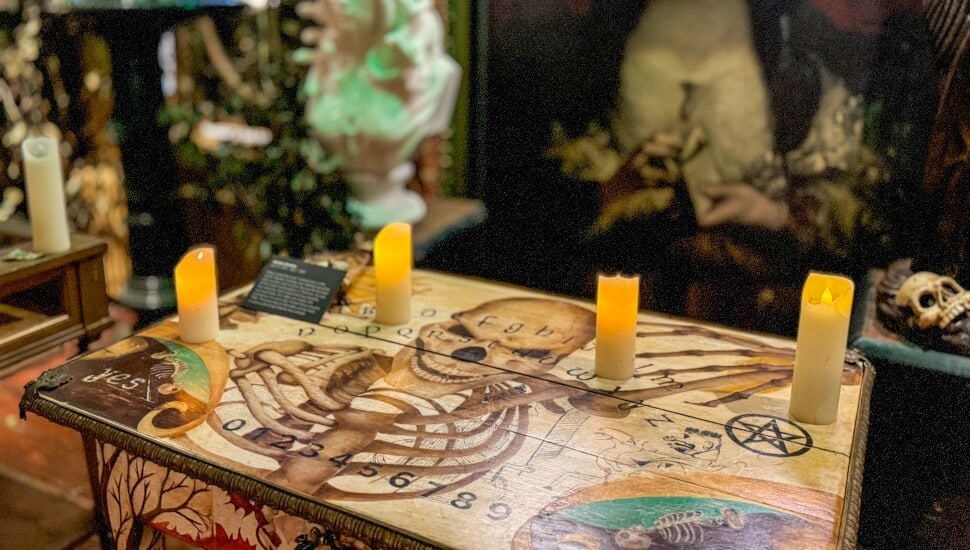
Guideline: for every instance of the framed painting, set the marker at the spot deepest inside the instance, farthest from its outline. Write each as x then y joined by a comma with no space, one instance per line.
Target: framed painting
721,149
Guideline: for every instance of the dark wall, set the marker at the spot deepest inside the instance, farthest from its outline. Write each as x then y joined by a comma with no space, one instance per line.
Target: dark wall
546,61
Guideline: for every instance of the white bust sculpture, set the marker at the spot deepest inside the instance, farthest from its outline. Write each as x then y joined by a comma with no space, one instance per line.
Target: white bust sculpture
379,82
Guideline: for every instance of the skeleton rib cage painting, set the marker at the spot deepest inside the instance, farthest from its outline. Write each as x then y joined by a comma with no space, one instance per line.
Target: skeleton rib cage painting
440,413
338,419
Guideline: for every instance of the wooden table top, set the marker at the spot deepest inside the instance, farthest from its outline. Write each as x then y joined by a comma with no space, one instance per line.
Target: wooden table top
480,424
14,234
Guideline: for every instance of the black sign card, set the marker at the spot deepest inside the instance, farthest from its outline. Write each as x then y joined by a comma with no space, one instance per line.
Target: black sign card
295,289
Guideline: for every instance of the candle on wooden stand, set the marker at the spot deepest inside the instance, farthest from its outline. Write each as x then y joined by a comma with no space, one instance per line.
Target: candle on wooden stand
823,332
45,195
617,305
392,274
196,295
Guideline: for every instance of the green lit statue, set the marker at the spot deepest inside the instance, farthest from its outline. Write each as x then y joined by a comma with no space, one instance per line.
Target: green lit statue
379,82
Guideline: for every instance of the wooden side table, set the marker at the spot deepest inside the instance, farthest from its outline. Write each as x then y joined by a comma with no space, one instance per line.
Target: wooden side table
50,300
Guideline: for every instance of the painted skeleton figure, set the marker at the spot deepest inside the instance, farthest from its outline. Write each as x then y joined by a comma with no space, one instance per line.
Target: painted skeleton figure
441,412
686,528
454,404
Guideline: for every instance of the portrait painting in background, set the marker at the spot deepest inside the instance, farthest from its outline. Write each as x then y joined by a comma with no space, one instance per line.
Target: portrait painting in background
723,149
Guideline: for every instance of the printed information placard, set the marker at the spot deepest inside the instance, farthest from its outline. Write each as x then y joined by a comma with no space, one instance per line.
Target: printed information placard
295,289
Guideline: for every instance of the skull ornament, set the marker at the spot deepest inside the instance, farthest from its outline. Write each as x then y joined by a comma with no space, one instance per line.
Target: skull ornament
934,299
519,336
927,309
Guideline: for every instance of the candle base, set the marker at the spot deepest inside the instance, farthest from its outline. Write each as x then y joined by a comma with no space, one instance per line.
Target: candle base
186,341
400,315
813,420
818,414
50,248
196,337
393,321
614,378
615,356
199,325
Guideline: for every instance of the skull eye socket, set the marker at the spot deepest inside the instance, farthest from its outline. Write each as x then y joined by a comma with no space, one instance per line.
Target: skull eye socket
532,353
459,330
472,354
927,300
949,289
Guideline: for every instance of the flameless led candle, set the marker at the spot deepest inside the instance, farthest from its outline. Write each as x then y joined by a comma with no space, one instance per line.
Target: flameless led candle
45,195
823,331
392,272
617,305
196,295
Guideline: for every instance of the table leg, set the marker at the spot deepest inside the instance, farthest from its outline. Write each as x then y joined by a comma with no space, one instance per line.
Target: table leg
84,342
137,534
100,510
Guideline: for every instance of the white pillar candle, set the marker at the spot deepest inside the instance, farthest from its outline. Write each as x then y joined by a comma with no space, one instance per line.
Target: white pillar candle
196,295
45,195
617,305
392,274
823,331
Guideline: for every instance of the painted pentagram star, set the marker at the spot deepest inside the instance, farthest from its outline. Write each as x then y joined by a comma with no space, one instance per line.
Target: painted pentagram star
769,435
776,438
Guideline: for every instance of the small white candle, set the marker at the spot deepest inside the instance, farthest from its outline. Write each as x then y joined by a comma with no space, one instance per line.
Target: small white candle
45,195
196,295
823,331
617,305
392,274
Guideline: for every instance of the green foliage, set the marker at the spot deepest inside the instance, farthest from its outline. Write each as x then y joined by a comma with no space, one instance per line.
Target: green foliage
287,190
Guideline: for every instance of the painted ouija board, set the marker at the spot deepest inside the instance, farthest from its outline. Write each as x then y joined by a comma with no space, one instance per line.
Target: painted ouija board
480,424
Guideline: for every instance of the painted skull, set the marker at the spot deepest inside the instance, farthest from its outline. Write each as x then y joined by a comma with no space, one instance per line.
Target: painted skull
934,299
496,341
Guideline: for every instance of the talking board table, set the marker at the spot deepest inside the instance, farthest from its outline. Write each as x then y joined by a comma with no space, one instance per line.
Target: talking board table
479,424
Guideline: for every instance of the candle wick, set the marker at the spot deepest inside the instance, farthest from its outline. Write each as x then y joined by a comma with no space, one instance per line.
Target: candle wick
827,296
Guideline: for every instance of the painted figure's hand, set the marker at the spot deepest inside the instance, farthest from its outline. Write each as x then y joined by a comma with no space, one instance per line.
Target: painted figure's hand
742,204
651,165
655,160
